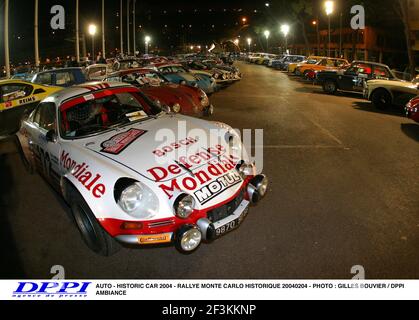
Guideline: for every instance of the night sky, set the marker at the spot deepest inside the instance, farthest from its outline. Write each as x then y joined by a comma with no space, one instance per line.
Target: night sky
171,24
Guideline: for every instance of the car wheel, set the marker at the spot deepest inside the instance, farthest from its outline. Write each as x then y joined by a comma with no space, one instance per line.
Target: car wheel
381,99
330,87
97,239
25,161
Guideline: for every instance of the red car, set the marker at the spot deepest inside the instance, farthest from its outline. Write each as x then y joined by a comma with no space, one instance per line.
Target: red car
182,99
412,109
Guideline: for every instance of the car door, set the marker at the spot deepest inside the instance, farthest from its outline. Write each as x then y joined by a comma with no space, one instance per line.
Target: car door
43,136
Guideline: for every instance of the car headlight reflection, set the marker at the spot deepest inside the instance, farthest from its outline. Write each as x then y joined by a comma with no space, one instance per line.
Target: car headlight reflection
184,206
139,201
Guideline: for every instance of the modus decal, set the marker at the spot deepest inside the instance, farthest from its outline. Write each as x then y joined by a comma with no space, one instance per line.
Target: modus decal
121,141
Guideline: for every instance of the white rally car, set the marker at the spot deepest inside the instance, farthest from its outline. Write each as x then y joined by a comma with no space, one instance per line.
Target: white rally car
136,175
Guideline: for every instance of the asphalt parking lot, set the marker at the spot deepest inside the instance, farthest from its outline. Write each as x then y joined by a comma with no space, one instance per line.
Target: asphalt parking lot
344,191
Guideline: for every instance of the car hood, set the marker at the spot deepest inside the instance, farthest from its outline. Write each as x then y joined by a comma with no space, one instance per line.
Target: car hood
159,143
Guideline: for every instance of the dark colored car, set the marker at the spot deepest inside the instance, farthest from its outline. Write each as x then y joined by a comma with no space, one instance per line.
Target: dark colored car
412,109
353,78
65,77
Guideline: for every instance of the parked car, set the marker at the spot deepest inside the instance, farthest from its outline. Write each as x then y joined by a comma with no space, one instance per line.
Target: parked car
292,67
128,63
412,109
282,64
182,99
65,77
17,98
97,146
177,74
221,77
233,70
253,57
385,93
304,69
353,78
97,72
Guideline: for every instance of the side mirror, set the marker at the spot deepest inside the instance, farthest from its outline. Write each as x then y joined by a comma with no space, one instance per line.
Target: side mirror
51,136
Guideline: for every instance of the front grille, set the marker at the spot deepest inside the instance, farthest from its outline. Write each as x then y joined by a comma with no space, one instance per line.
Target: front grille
226,210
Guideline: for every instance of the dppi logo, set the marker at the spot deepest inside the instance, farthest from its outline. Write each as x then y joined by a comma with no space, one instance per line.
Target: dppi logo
52,289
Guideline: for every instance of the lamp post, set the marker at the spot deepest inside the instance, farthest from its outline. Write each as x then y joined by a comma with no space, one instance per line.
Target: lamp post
92,32
103,31
249,43
285,29
267,33
147,41
329,7
6,38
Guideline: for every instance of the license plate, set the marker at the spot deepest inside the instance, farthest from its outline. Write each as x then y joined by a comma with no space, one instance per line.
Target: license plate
232,222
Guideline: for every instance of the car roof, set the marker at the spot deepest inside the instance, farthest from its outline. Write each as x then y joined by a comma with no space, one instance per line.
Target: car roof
129,71
97,65
6,81
370,62
82,89
59,70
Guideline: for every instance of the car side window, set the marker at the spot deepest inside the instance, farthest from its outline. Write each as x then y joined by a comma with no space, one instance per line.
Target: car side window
47,116
65,78
381,72
44,78
15,91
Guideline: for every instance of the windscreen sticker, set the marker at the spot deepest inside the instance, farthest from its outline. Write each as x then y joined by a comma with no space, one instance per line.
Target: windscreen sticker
135,116
121,141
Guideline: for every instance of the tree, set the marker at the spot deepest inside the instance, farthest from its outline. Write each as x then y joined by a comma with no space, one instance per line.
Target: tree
301,10
402,9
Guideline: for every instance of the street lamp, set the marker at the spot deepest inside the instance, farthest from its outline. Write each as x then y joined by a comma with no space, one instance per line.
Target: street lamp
267,33
92,32
236,42
329,7
147,41
285,29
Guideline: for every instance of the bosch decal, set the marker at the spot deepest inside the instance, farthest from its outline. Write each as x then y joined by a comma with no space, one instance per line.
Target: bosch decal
121,141
174,146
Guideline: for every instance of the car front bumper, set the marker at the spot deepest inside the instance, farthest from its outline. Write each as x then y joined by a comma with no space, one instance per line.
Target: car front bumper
205,224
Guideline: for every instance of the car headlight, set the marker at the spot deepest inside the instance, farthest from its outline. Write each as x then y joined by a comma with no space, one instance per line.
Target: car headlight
176,108
204,100
158,103
224,76
246,169
184,206
216,75
139,201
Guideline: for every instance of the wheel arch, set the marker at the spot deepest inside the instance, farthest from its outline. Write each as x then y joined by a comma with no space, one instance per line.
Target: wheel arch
381,89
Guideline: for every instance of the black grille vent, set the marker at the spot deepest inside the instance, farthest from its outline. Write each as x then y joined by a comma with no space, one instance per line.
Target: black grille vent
226,210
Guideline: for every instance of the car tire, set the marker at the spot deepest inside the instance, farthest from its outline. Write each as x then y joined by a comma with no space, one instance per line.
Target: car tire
26,162
330,86
381,99
94,236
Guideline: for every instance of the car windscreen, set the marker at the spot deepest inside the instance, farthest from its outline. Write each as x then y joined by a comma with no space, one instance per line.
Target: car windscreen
101,114
144,79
